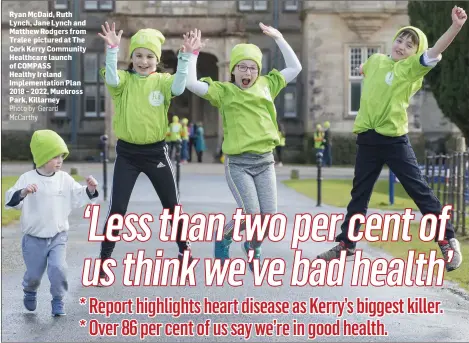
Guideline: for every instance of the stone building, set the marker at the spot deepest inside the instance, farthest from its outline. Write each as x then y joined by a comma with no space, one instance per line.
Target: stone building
330,38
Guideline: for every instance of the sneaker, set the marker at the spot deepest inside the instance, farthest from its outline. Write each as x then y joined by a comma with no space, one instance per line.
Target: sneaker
30,300
181,259
58,308
446,247
102,276
257,253
335,252
222,249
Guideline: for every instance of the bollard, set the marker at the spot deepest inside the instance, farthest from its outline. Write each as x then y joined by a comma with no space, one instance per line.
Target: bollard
319,177
104,159
392,180
294,174
178,162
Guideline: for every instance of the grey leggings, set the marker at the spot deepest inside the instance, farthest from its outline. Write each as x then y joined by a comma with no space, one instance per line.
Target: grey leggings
252,181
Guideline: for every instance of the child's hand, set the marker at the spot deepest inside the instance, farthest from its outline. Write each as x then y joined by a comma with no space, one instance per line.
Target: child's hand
193,41
270,31
188,43
459,16
109,34
92,184
28,190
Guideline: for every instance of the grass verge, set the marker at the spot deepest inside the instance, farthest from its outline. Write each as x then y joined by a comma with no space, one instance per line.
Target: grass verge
337,193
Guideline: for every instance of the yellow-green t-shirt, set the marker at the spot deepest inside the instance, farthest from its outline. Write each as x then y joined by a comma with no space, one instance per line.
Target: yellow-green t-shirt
141,105
249,115
387,89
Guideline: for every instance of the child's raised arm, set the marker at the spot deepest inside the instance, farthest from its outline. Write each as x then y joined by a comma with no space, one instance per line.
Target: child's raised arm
459,18
180,78
293,65
194,40
112,40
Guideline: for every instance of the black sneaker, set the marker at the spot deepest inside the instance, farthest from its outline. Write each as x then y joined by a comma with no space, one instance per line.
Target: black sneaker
446,247
334,253
181,259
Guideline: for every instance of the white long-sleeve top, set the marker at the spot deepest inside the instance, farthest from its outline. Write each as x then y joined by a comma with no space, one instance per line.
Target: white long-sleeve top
45,213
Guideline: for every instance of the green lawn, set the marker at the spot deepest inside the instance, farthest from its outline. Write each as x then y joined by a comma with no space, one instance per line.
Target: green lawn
401,249
11,215
337,193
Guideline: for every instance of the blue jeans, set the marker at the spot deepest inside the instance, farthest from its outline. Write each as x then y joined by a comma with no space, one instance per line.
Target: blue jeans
252,181
401,160
327,156
184,150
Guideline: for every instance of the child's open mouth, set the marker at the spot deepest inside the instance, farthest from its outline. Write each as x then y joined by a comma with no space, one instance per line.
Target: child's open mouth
246,81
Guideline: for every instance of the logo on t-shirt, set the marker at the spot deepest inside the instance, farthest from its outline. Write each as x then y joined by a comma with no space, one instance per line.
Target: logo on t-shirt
389,77
156,98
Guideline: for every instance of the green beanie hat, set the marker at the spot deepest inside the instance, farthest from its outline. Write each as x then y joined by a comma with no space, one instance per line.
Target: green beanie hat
246,52
45,145
149,39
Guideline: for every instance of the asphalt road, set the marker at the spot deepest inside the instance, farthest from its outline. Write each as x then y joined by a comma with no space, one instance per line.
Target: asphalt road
208,193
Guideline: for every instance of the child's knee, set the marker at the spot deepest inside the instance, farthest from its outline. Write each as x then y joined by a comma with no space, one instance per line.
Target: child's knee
33,283
58,271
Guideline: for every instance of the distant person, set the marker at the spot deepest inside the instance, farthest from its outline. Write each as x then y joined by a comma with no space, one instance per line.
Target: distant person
319,140
281,144
199,141
327,158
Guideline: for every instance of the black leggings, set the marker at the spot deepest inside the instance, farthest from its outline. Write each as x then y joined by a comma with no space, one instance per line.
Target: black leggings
152,160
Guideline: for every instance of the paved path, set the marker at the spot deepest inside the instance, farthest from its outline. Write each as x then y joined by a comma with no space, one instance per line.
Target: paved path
208,193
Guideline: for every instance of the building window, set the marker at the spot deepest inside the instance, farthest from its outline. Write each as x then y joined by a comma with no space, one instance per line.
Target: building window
61,66
249,5
175,2
289,102
265,62
94,87
61,4
290,5
99,5
357,56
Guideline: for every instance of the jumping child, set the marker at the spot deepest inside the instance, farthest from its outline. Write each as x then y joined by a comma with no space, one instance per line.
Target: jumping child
250,127
141,99
381,125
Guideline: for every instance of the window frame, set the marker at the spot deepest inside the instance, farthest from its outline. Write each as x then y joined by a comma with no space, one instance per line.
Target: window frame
290,89
62,114
357,79
99,6
100,94
61,7
286,9
243,7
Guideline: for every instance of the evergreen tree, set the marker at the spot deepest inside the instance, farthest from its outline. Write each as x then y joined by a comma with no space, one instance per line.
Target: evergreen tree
449,80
